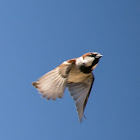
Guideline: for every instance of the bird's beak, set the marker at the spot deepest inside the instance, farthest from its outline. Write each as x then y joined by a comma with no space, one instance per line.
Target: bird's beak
99,55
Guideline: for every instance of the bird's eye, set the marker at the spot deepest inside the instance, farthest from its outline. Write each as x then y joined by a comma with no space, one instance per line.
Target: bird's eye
92,55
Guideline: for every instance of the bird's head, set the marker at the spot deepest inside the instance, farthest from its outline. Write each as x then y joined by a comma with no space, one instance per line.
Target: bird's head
88,61
91,59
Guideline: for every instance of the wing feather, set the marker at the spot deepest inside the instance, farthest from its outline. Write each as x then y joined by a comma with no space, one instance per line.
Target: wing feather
52,84
80,93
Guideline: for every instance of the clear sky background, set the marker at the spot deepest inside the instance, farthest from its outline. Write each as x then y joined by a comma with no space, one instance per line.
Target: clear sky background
38,35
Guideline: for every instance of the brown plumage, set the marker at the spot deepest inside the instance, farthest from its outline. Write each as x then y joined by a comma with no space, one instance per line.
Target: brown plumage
76,74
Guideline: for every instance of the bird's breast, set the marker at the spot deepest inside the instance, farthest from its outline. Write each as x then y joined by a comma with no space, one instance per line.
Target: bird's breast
75,75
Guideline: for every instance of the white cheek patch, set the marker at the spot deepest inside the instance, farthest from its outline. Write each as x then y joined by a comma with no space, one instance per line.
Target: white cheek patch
88,61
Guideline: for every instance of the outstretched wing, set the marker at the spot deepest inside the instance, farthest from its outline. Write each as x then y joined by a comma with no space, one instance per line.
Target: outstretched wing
52,84
80,93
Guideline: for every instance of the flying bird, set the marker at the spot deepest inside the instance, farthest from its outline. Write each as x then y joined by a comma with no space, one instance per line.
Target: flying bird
75,74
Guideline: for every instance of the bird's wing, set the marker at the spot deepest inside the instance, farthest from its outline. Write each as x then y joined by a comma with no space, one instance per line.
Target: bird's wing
80,93
53,83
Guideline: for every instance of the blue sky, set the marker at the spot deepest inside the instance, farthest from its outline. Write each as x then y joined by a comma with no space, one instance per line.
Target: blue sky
38,35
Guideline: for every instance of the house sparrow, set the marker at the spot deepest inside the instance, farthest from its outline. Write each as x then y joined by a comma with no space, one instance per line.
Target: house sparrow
76,74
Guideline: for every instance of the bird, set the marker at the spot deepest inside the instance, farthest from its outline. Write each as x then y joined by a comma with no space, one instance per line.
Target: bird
75,74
